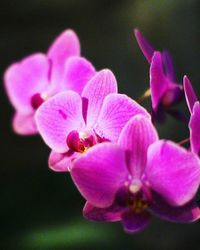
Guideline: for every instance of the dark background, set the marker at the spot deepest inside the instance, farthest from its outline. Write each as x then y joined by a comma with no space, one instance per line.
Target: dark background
40,209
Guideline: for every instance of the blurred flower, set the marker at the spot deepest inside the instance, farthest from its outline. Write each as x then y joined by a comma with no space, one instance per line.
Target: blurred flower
165,92
38,77
70,123
150,176
194,108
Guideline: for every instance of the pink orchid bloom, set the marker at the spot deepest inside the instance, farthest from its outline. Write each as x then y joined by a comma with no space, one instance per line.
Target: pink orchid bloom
194,108
39,76
165,92
71,123
139,177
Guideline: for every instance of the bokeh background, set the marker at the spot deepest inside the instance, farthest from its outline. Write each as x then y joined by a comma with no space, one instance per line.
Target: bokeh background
40,209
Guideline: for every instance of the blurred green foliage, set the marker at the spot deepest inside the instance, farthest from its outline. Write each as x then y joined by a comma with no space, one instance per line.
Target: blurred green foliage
77,233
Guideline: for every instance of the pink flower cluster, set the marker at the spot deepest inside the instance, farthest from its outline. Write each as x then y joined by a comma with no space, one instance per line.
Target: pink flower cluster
107,141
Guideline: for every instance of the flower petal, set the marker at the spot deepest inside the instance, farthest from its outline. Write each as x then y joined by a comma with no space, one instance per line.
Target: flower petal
172,172
62,162
144,45
183,214
190,95
78,71
57,117
26,78
137,135
135,222
102,84
194,126
158,81
65,45
117,109
112,213
99,173
168,63
24,124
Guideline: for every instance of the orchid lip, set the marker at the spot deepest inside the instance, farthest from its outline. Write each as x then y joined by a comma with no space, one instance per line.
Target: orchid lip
140,200
138,205
134,195
37,100
80,141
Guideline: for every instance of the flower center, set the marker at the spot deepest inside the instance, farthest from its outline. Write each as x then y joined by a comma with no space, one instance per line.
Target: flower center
139,196
37,99
168,98
137,205
135,186
80,141
172,96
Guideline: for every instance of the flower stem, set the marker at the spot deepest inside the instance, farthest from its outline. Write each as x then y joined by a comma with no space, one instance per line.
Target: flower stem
184,141
145,95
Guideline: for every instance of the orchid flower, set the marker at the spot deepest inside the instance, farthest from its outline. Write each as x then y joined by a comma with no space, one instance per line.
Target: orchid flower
71,123
139,177
165,92
194,108
39,76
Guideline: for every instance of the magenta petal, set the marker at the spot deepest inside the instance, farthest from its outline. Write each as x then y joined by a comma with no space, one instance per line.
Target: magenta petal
190,95
65,45
144,45
135,222
173,172
26,78
168,63
57,117
183,214
102,84
99,173
137,135
111,214
117,109
194,126
78,71
158,81
24,124
62,162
